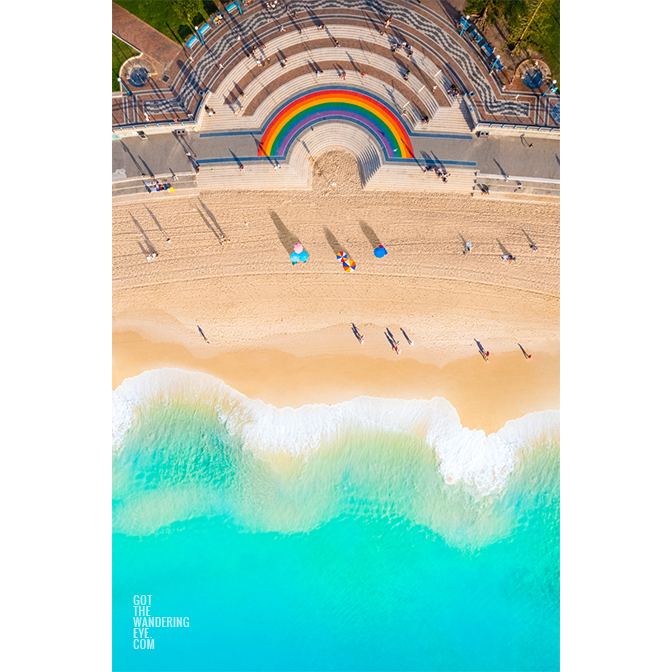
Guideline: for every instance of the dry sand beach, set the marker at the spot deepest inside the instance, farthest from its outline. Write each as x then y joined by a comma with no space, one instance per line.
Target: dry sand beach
281,333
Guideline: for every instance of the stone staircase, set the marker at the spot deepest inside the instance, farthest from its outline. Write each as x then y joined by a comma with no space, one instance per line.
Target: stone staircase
258,176
361,57
400,177
531,189
454,120
336,135
132,189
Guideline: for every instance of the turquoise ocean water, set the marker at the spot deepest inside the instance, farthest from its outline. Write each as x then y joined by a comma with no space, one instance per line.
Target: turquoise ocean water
370,535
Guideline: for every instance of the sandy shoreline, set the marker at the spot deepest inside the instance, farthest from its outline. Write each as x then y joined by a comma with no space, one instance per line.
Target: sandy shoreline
281,333
486,396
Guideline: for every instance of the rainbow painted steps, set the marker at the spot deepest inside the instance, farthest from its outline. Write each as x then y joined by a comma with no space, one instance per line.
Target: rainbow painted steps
340,104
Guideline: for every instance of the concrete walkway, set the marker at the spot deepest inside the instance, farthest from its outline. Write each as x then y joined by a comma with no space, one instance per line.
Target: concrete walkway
493,155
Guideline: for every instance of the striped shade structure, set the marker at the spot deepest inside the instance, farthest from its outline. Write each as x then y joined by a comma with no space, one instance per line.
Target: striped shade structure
337,104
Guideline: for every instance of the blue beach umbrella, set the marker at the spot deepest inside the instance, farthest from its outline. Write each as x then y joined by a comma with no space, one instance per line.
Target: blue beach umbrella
294,257
303,256
380,252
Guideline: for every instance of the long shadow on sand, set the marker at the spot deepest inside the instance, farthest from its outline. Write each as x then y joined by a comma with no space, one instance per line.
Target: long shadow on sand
287,238
148,242
370,234
333,243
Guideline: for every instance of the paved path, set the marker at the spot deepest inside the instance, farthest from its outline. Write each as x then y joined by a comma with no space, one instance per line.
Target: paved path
143,37
494,155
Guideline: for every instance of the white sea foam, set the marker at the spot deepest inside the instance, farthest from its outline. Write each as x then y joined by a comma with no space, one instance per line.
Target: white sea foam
468,456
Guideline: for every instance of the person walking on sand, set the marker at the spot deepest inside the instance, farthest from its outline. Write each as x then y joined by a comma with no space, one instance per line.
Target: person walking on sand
202,334
481,350
358,336
524,353
410,342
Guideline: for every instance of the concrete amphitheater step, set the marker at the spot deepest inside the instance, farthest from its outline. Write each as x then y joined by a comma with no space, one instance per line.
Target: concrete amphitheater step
410,178
363,57
133,189
517,188
258,176
334,135
226,119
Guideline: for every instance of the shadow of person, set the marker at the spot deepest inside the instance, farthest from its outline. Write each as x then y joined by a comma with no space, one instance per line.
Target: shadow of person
335,246
502,248
370,234
287,238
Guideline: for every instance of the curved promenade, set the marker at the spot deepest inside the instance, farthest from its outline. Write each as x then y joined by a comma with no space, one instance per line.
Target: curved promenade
255,69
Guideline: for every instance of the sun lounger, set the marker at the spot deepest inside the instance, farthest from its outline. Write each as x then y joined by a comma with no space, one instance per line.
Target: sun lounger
203,29
192,42
233,7
489,51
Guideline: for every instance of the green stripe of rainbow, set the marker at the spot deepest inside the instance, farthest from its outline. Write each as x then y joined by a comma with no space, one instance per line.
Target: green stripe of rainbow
342,104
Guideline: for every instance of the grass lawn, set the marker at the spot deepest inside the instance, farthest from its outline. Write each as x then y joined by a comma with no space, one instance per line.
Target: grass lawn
120,52
164,15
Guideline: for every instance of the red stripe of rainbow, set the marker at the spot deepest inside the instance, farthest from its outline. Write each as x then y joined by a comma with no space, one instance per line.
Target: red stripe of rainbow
342,104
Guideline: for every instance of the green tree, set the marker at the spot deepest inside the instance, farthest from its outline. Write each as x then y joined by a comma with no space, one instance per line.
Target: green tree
186,9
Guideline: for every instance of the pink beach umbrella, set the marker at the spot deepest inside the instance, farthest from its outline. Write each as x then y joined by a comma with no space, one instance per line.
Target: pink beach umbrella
298,248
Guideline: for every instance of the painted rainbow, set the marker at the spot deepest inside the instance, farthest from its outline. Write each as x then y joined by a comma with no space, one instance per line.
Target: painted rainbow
342,105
